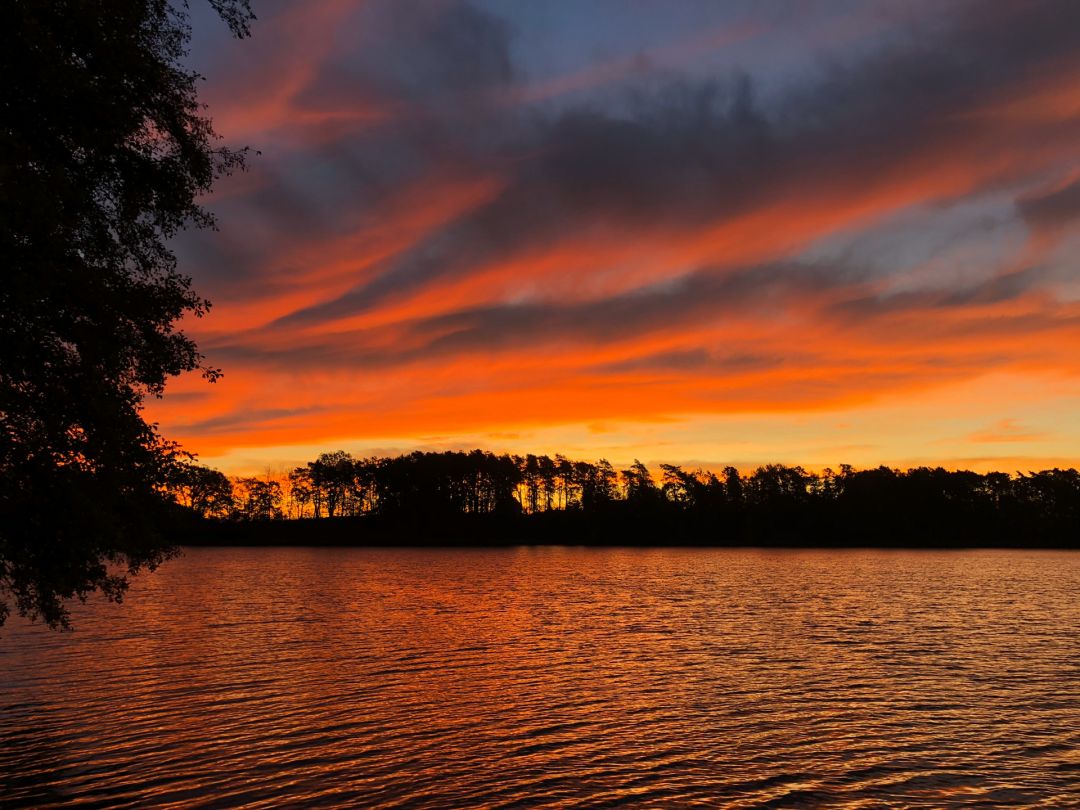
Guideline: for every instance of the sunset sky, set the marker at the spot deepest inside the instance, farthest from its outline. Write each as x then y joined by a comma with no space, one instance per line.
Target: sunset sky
701,232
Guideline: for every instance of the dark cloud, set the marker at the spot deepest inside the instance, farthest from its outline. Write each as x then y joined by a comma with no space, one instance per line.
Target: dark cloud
842,295
447,57
689,151
700,297
695,360
246,418
994,290
1053,211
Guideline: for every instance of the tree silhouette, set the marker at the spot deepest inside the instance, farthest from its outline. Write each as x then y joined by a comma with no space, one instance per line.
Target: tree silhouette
332,477
206,492
300,492
103,150
641,490
258,499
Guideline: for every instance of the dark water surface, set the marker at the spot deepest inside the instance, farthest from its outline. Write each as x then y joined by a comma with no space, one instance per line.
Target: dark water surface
557,678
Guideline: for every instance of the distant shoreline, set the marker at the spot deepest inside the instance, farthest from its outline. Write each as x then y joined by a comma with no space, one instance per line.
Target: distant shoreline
569,529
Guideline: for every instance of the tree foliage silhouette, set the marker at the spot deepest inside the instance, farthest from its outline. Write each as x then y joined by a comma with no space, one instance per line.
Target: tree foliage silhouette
104,149
481,497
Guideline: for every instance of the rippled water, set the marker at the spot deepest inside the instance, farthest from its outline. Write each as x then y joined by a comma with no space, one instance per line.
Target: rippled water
557,678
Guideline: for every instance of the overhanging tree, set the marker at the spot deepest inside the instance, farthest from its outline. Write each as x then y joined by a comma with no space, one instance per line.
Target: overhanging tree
104,151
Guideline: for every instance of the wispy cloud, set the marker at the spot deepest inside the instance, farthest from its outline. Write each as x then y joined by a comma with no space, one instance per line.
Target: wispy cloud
1005,431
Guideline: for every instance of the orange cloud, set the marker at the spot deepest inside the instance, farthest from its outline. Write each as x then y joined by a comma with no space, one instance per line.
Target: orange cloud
1005,431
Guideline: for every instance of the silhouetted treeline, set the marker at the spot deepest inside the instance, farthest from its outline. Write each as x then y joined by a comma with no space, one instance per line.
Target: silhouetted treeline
483,497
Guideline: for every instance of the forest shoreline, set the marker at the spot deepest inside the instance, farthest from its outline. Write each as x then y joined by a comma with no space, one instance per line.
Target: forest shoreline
563,529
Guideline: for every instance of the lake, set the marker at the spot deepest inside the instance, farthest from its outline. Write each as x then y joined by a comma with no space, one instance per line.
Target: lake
557,677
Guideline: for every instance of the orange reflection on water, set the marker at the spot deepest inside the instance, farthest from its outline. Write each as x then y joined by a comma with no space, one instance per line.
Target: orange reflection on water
558,677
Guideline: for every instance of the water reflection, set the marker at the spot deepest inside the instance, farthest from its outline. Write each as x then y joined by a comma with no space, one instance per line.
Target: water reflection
557,677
